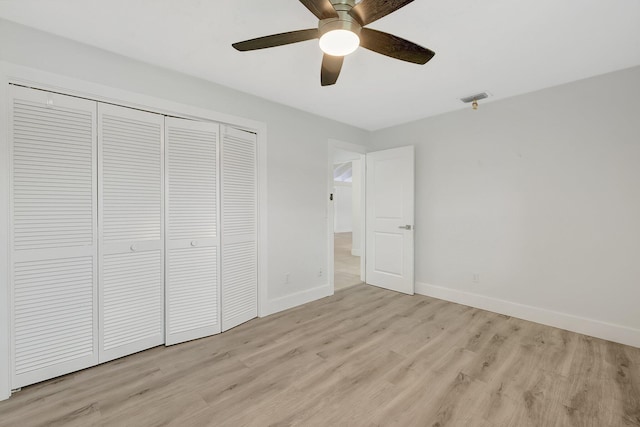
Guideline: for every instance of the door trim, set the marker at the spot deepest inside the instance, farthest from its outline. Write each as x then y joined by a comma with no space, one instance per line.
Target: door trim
5,163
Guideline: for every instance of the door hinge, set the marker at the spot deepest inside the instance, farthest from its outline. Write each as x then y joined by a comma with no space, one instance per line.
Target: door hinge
331,197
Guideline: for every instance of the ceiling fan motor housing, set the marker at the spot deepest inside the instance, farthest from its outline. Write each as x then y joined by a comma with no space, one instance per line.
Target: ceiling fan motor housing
344,21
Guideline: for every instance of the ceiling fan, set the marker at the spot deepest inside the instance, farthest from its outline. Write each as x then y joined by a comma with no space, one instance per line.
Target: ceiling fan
341,30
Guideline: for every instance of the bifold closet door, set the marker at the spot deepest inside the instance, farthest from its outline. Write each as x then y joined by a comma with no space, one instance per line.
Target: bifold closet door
131,279
53,235
239,227
193,240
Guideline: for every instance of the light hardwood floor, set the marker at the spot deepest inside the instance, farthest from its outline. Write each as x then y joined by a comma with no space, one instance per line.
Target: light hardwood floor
346,267
363,357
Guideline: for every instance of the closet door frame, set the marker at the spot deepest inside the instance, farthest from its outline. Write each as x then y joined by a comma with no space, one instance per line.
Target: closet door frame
40,79
5,279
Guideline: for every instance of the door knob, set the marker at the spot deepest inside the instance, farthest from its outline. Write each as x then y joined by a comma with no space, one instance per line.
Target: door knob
134,248
194,243
405,227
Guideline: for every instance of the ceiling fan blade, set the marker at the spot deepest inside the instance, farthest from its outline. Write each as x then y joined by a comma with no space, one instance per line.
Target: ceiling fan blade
368,11
331,66
323,9
394,47
277,40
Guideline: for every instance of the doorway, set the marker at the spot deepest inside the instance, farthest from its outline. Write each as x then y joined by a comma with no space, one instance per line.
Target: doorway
346,215
384,227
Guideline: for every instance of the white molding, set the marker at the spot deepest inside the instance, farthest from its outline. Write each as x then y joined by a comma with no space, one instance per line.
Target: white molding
356,252
293,300
347,146
45,80
39,79
263,247
582,325
5,344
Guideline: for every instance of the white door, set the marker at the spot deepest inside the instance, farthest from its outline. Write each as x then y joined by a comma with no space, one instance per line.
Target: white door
192,242
54,311
131,279
389,219
239,227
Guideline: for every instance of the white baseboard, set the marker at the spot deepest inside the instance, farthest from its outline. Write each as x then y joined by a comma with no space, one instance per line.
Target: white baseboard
582,325
289,301
356,252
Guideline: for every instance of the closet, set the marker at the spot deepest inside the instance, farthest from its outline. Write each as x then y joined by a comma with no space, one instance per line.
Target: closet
129,230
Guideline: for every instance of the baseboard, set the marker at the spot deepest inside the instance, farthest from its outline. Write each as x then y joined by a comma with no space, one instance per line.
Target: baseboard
595,328
289,301
356,252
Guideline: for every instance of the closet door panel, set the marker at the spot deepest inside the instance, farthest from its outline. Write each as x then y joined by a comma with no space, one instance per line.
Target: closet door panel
239,228
193,294
239,279
53,235
53,322
192,302
132,302
131,224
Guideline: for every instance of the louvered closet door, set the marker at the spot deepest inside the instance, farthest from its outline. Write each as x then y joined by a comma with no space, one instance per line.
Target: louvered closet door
131,280
53,235
239,228
193,242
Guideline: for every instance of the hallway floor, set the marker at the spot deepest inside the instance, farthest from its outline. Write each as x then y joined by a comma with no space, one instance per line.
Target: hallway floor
346,266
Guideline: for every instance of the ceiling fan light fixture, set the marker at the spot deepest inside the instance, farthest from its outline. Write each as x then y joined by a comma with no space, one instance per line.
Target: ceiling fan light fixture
339,42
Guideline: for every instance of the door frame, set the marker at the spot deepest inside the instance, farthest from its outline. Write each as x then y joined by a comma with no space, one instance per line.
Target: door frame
38,79
333,145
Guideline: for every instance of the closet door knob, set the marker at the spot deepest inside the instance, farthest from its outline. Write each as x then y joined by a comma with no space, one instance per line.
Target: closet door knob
134,248
194,243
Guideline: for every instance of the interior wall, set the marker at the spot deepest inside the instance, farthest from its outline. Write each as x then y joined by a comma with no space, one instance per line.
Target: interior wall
297,150
538,196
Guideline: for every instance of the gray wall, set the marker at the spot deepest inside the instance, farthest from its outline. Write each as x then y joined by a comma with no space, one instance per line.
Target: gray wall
297,143
538,194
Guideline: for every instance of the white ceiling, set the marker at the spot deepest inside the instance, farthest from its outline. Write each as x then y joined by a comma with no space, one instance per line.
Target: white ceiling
505,47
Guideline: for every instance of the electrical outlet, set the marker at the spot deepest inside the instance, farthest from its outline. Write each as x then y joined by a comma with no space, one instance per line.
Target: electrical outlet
286,278
476,277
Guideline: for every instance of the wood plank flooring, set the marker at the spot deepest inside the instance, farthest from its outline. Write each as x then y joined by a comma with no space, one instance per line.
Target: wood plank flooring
363,357
346,267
